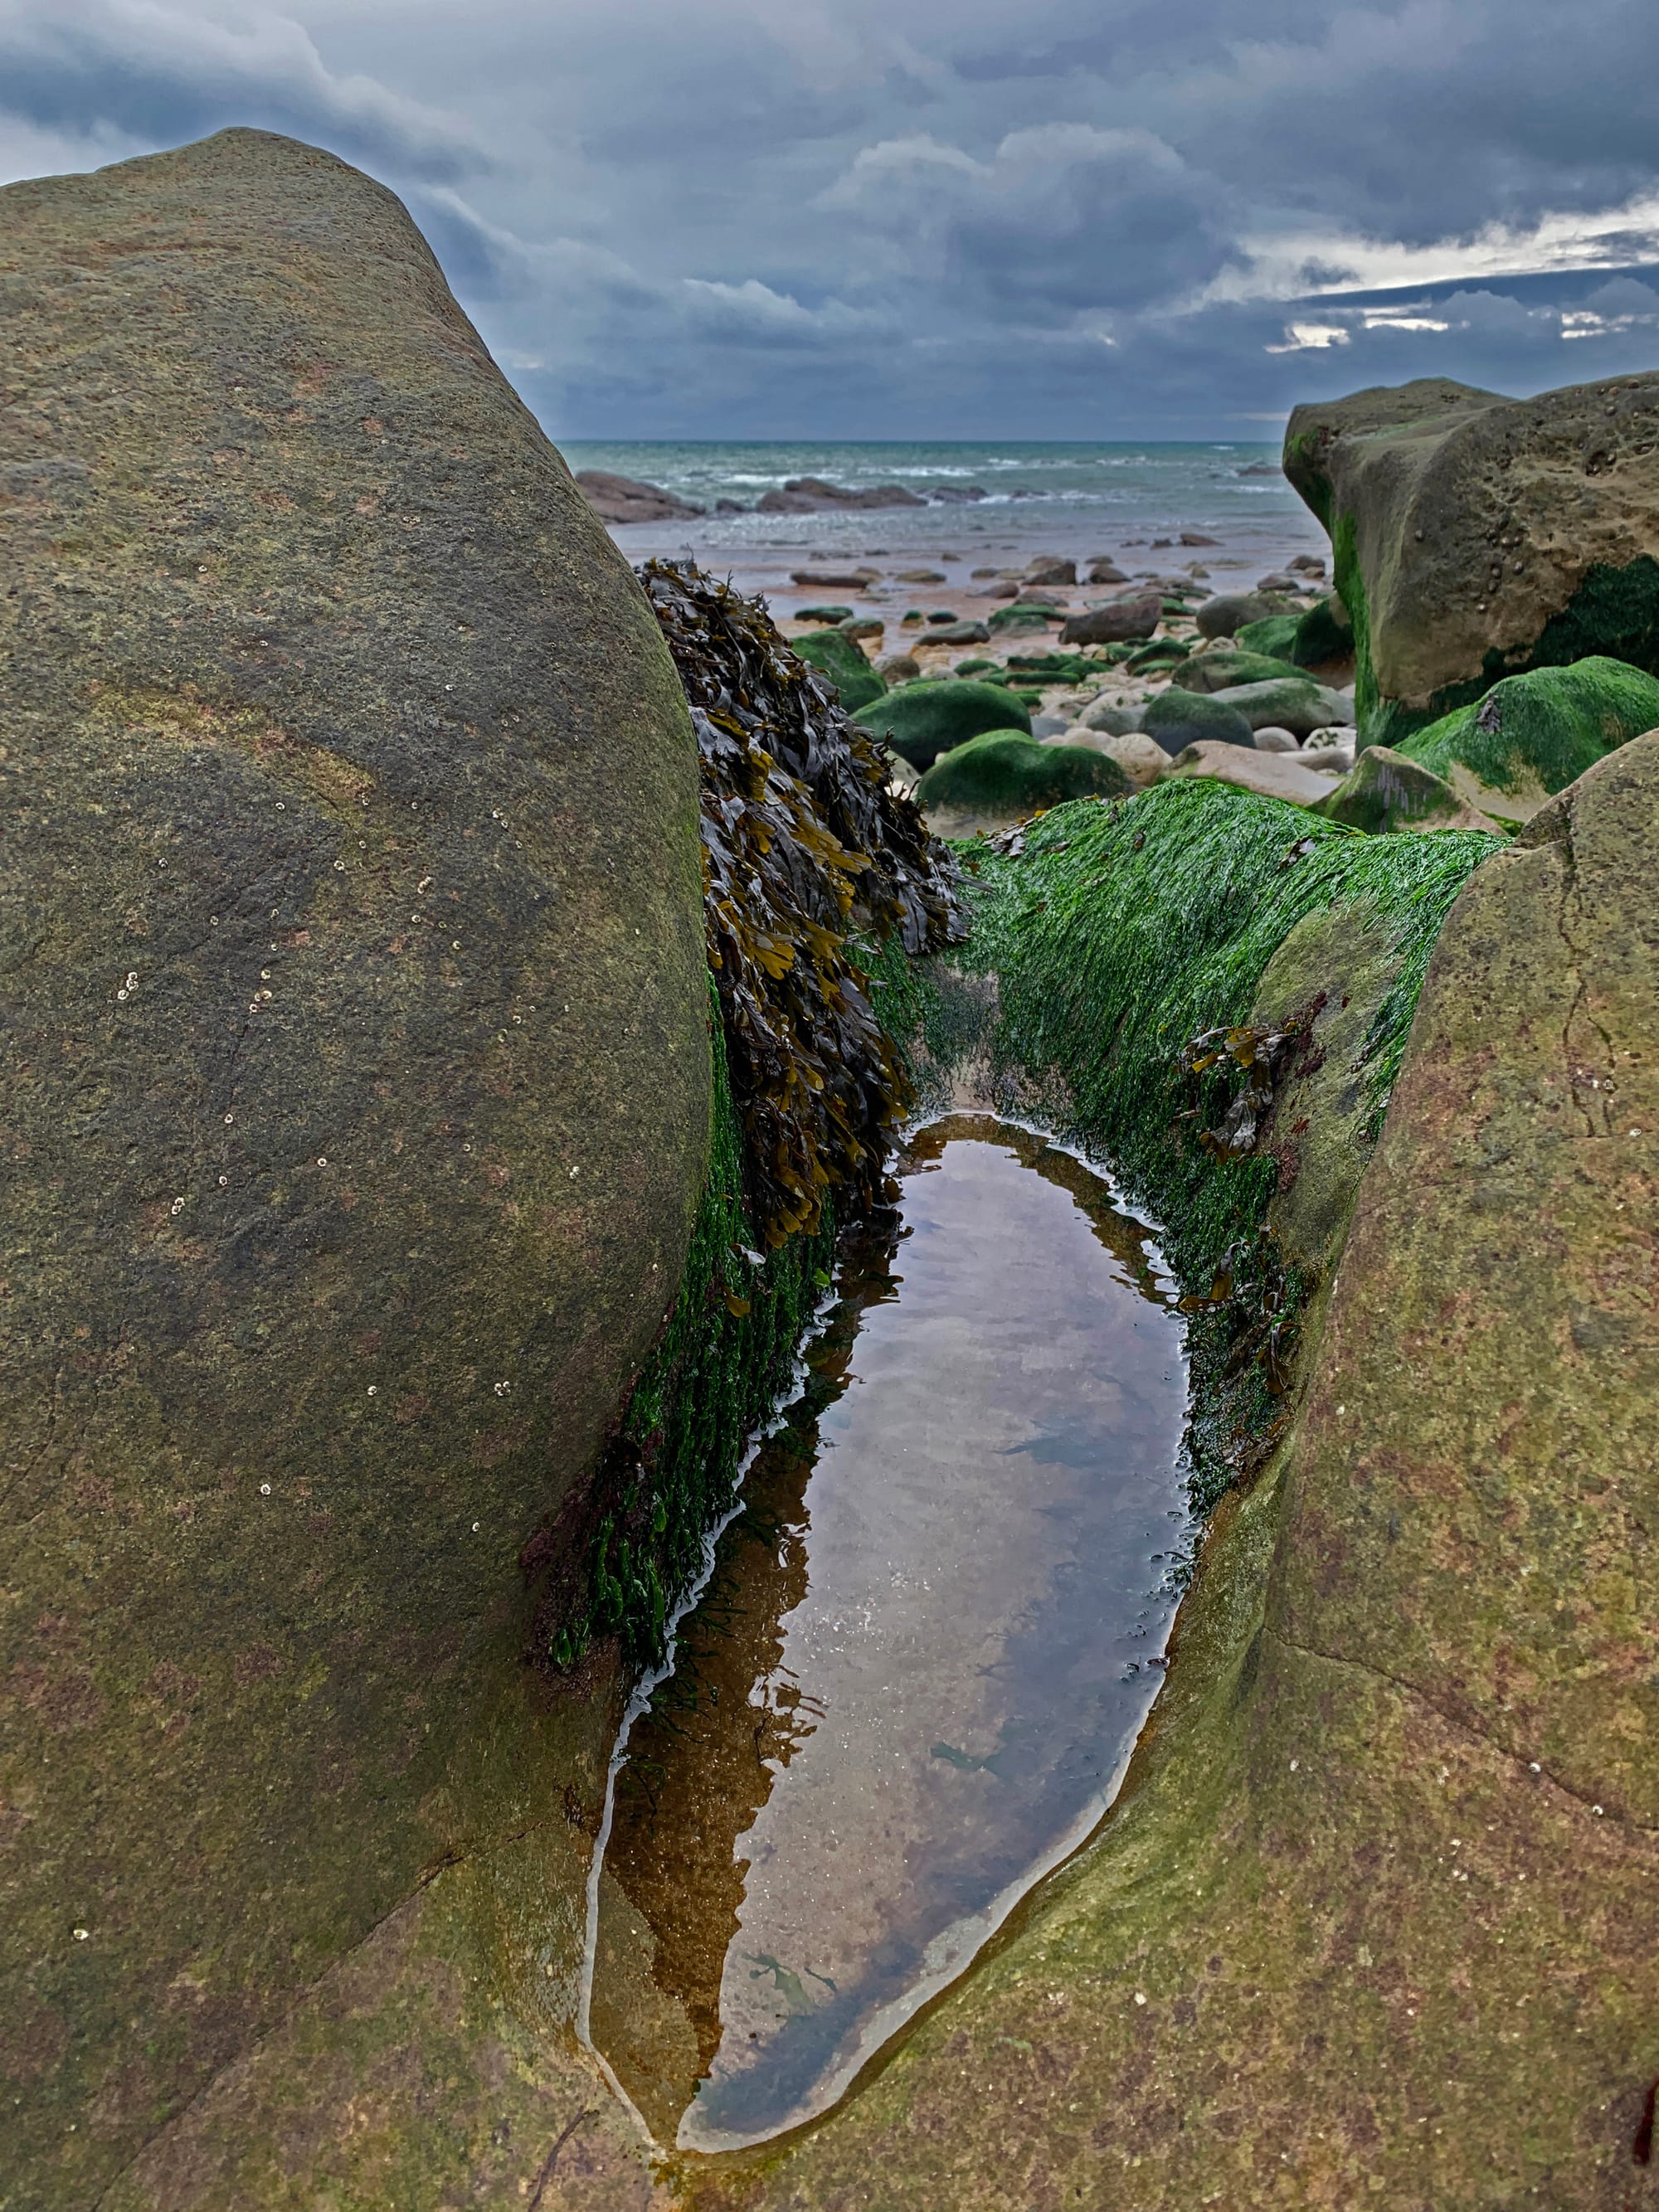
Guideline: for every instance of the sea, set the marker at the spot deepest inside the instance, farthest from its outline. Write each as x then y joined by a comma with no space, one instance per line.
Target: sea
1130,501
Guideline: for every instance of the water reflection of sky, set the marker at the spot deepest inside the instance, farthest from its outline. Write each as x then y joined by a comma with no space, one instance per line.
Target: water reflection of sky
922,1657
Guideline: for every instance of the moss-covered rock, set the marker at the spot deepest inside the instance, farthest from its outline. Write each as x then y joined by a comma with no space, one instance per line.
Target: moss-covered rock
1004,776
1215,670
1179,719
359,1097
923,720
839,657
1370,1920
1324,634
1273,636
1533,734
1386,790
1016,621
1294,703
1476,536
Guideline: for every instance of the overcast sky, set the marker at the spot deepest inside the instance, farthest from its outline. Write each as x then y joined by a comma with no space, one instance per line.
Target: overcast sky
949,218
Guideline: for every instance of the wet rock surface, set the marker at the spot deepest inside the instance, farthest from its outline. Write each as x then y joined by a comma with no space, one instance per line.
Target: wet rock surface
1369,1921
926,1646
357,1008
1476,536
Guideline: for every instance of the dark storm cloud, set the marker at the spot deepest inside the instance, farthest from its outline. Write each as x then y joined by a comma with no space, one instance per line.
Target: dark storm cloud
882,217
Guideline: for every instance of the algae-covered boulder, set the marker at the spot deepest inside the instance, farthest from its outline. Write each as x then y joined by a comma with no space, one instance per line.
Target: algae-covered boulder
1274,636
1004,776
840,658
923,720
356,1111
1533,734
1477,536
1178,719
1294,703
1385,790
1220,669
1371,1922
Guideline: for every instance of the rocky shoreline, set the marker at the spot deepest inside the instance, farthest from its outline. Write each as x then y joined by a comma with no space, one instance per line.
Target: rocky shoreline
460,985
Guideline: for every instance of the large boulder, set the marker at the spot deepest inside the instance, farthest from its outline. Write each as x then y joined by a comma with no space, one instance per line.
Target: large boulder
923,720
1477,536
356,1112
1371,1922
1533,734
1004,776
1273,635
1224,614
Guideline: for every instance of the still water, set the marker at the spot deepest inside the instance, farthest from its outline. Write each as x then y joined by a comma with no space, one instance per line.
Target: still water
921,1660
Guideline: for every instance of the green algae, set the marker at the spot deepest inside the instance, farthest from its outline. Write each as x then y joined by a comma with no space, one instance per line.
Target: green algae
839,657
1320,636
1118,932
1121,932
1005,772
921,720
1545,727
671,1469
806,845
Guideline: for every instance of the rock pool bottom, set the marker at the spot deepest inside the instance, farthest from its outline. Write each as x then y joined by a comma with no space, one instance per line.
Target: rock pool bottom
920,1664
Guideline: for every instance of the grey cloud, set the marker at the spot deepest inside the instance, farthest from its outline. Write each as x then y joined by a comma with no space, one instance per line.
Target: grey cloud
877,217
1062,218
162,75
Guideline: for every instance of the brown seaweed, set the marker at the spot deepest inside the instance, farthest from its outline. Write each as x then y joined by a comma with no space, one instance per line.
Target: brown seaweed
806,847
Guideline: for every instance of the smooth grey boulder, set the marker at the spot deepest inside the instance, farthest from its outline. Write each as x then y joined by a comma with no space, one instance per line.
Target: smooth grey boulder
1300,706
1179,719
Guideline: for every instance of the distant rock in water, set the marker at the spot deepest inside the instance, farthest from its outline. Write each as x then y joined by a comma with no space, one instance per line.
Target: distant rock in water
357,1107
1476,537
811,496
622,499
